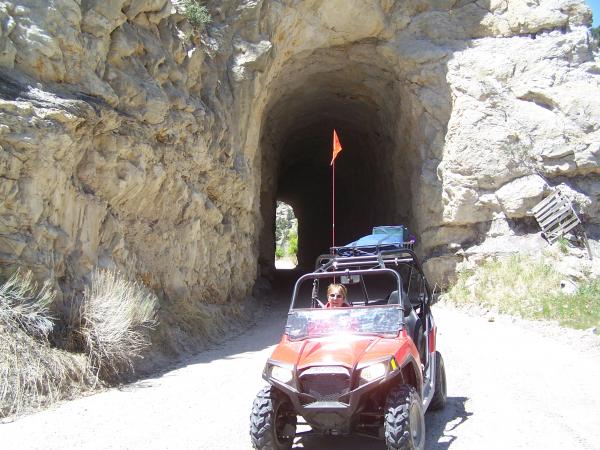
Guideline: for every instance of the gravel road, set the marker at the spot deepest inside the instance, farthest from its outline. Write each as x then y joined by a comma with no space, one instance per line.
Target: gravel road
512,384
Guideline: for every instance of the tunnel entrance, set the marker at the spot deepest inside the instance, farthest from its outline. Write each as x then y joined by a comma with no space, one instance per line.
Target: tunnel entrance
286,237
367,105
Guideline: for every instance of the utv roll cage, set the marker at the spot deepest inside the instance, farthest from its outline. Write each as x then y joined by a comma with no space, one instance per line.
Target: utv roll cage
315,276
369,258
395,259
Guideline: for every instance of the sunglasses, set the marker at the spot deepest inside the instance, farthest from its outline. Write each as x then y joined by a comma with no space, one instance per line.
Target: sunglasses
336,295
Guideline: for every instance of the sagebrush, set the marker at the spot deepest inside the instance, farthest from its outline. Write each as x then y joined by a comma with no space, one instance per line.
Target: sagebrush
108,330
114,316
32,373
196,13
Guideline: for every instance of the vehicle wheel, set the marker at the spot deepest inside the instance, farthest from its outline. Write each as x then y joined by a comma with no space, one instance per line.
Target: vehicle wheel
439,394
404,420
272,421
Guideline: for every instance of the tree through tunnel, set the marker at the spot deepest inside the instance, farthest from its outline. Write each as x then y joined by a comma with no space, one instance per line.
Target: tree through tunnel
362,99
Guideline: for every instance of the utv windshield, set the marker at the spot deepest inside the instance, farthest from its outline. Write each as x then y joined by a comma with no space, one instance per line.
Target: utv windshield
383,321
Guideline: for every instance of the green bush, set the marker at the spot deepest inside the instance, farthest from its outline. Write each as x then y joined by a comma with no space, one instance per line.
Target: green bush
293,246
279,253
596,35
563,245
196,14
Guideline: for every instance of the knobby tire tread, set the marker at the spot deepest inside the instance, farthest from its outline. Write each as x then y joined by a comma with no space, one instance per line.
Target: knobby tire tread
439,398
397,417
262,421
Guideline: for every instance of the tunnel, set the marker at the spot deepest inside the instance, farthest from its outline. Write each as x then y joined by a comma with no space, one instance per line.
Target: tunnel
369,107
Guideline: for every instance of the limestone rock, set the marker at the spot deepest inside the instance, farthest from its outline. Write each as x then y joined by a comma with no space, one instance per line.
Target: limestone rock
448,235
8,50
250,57
504,245
522,194
101,18
138,6
441,270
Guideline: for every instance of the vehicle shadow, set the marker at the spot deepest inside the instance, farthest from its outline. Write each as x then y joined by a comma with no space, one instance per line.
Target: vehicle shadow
440,426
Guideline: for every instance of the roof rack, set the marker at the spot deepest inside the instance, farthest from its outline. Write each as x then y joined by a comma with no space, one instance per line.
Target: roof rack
386,246
367,260
382,238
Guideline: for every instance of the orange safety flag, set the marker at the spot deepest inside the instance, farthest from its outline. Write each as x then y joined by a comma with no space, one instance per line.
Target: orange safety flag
337,147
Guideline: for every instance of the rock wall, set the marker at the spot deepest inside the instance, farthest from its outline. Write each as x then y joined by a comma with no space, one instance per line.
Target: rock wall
117,151
130,140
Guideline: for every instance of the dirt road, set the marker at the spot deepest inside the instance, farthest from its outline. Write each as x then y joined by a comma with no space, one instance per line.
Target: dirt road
511,385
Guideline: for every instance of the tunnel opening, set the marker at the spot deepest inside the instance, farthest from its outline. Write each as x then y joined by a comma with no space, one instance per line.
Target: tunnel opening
286,237
372,112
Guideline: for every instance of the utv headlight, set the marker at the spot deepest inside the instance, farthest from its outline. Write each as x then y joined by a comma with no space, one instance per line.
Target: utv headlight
281,374
373,372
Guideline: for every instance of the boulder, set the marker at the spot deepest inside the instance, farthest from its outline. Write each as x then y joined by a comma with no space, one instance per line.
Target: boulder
518,196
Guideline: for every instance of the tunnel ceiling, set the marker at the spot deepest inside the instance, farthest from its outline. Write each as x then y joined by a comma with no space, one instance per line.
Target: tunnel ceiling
361,102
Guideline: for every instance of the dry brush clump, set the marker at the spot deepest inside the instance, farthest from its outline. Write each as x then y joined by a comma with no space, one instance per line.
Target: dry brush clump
32,373
109,330
113,319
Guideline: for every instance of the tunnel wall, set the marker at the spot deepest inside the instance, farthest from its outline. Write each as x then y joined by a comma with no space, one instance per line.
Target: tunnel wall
129,140
464,149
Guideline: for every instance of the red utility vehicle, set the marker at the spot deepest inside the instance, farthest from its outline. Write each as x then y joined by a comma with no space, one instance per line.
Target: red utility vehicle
370,369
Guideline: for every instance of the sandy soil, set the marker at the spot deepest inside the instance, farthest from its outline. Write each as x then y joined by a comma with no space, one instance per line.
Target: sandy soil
512,384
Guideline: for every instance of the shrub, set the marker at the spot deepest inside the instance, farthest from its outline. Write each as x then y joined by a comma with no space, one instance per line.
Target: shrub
563,245
293,246
114,317
31,372
196,14
25,307
595,32
279,253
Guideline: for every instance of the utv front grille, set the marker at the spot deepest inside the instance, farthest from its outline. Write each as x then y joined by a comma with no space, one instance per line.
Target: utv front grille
325,383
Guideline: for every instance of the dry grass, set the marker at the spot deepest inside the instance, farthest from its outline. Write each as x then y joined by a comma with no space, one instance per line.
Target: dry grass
114,317
110,323
31,372
530,288
23,306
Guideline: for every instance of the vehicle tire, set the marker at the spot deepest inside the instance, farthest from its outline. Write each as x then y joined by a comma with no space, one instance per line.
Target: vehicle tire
404,422
439,394
272,421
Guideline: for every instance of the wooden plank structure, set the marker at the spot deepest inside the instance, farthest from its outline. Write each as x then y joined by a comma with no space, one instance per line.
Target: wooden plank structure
555,215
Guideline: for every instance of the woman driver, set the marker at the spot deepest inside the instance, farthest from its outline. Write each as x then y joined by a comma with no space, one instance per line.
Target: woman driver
336,296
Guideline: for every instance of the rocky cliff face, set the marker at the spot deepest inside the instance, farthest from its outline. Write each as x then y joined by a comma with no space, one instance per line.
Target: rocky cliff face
130,140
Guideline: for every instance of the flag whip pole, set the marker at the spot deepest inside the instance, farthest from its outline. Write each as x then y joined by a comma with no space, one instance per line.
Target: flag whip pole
337,147
333,204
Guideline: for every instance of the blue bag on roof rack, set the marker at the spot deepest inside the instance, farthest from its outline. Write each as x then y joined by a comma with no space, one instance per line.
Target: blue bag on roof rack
382,238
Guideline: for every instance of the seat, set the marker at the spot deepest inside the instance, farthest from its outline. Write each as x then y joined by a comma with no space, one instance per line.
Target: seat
413,322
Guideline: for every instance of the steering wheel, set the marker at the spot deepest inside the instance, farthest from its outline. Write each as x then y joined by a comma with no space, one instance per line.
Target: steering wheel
318,302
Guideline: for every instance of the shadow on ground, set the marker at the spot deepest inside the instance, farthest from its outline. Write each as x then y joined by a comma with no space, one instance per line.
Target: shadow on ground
440,426
254,335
